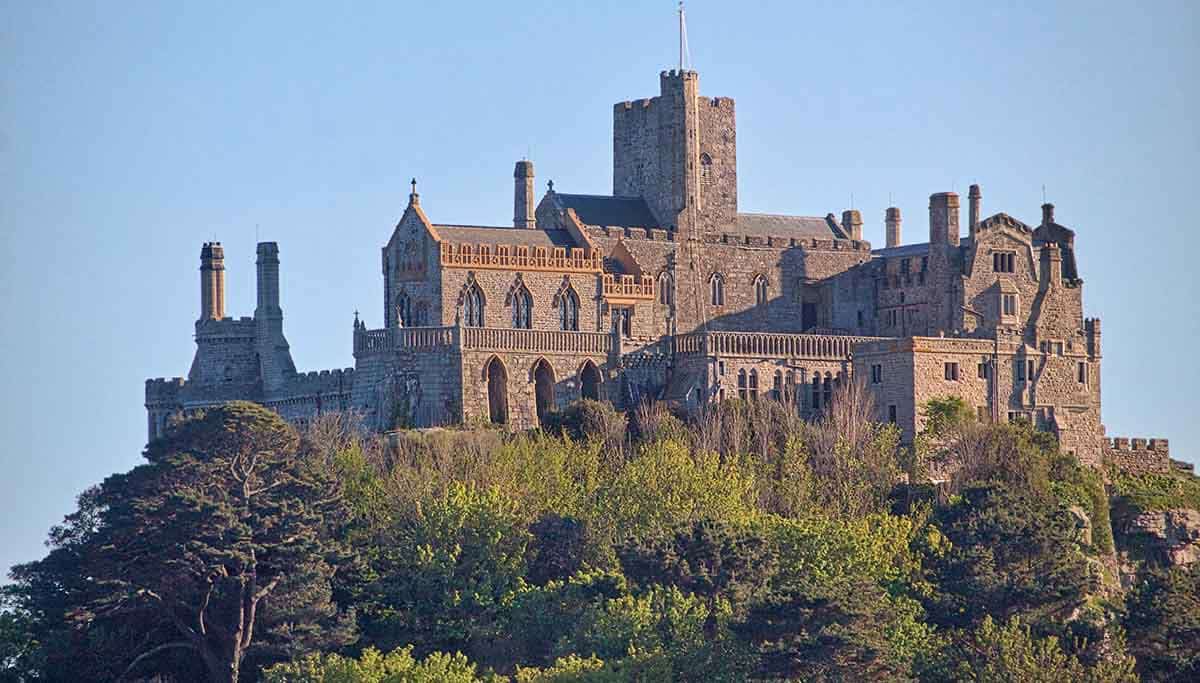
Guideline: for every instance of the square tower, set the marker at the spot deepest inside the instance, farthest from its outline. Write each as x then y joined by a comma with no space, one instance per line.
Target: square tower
678,152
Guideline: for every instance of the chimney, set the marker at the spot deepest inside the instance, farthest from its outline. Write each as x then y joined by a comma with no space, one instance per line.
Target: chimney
892,222
852,224
523,204
974,197
268,281
1052,265
212,281
943,218
1047,213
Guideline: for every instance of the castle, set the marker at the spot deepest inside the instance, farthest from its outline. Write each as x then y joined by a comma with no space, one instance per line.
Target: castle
664,290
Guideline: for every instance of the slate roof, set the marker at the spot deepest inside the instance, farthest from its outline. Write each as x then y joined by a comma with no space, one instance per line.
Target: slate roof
773,225
594,209
482,234
902,251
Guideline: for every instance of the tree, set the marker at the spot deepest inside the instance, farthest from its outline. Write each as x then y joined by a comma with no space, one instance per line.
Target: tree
1011,553
1163,622
945,414
220,547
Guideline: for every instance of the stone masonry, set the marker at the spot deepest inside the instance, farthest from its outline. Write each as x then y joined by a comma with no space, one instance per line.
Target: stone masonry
663,290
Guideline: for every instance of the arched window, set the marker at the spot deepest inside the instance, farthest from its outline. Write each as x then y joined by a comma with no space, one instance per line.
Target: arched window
473,306
753,384
421,314
828,389
568,310
760,290
742,384
718,289
664,288
522,308
777,387
816,392
705,169
403,310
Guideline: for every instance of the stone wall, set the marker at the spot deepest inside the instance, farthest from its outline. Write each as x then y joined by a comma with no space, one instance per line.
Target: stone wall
1138,456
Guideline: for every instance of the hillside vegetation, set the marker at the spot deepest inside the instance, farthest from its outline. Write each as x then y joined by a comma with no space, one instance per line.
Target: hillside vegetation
746,544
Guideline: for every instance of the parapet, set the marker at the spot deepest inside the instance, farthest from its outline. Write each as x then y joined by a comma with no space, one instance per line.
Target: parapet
508,257
1138,455
163,390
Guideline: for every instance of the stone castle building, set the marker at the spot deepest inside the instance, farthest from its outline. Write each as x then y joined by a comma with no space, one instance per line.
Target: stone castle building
663,289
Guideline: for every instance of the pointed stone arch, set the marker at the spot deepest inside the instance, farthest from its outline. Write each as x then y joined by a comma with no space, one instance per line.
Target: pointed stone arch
541,375
496,377
471,303
590,380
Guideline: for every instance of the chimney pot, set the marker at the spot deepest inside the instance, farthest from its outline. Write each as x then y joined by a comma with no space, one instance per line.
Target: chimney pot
892,223
524,207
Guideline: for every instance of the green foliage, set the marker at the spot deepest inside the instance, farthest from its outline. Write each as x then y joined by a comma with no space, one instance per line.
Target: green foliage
1011,554
1074,484
1137,493
595,421
398,666
1163,623
666,484
1010,653
945,414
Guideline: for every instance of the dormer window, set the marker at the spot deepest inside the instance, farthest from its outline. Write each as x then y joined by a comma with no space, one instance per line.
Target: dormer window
1004,261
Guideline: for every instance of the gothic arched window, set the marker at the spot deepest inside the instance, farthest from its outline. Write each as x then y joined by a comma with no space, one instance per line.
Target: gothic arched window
473,306
741,384
568,310
717,283
705,169
522,307
403,310
754,384
760,290
664,288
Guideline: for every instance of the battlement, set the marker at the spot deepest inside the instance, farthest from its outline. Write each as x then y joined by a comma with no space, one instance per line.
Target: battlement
627,288
776,242
322,381
163,390
1138,455
243,327
508,257
636,232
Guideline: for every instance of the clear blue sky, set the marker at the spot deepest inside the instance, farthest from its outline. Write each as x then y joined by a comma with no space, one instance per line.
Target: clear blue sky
131,132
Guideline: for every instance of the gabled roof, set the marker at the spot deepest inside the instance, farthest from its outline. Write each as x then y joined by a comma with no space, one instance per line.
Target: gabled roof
595,209
904,250
483,234
773,225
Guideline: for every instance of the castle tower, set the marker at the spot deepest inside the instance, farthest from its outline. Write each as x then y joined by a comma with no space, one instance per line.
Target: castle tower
212,281
274,355
678,151
944,276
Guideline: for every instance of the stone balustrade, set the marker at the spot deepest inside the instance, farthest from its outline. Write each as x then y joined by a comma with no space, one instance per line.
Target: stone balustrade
538,341
481,338
505,257
765,344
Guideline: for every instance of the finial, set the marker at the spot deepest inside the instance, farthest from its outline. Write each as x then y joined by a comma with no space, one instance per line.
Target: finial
414,185
550,185
413,197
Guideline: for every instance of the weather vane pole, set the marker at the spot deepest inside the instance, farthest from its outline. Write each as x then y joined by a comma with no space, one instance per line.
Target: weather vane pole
680,36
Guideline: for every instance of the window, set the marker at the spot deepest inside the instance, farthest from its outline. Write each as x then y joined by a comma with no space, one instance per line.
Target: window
742,384
717,283
1082,373
876,374
568,310
753,384
828,389
1019,368
1029,370
664,289
777,387
1004,261
952,372
721,368
892,414
760,290
905,266
403,310
522,308
622,321
473,306
705,169
816,392
983,370
1058,348
1009,304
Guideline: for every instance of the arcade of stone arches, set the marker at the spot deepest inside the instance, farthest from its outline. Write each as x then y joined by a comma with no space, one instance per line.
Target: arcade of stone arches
495,374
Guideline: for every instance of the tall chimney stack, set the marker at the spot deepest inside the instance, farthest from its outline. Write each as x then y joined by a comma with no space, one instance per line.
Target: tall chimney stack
852,224
212,281
974,199
523,204
268,281
892,222
1047,213
943,218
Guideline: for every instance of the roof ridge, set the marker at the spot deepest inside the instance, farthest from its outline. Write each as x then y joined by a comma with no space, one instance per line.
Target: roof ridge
778,215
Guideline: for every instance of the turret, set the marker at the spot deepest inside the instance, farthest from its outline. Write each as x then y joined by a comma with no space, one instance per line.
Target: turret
891,222
523,200
212,281
1047,214
943,218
